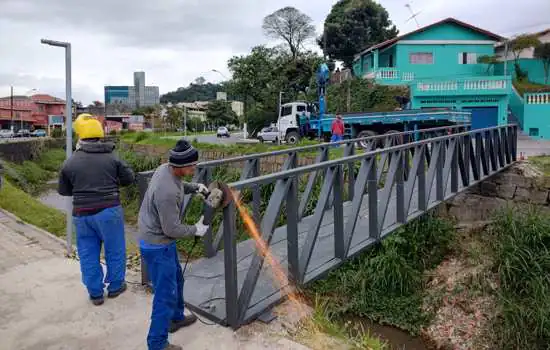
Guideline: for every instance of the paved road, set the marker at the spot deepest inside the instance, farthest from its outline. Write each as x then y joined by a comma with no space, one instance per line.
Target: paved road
532,147
211,138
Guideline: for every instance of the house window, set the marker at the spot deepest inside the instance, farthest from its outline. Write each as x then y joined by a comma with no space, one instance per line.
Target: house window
534,132
421,58
467,58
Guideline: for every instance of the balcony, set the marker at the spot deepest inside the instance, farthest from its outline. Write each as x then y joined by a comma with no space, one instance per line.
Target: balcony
488,85
390,76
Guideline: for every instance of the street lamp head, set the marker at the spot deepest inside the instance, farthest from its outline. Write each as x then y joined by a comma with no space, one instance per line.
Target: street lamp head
55,43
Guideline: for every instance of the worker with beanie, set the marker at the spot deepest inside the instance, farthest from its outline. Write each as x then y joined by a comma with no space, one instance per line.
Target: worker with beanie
160,225
92,176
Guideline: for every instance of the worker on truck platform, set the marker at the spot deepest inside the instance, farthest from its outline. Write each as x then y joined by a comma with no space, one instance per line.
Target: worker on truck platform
337,129
92,176
159,227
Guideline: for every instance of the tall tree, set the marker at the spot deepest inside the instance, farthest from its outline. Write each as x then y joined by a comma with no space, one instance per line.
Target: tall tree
352,26
200,80
542,52
517,45
220,112
290,25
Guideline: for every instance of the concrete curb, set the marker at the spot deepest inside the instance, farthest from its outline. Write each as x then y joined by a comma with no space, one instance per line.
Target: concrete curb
48,235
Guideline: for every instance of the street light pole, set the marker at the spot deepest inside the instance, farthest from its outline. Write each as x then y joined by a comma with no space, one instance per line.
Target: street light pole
68,130
11,108
220,73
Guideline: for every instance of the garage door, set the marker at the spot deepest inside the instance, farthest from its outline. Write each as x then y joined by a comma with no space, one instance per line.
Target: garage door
483,117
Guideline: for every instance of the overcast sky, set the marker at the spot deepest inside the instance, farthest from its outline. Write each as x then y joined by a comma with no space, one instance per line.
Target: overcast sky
175,41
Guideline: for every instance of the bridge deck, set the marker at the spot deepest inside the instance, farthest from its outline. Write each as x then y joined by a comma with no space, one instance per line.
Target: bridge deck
204,285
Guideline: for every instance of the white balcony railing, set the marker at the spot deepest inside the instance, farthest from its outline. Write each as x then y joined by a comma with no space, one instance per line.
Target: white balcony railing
537,98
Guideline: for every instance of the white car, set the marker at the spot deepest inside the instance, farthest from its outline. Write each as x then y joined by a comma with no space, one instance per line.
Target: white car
270,134
222,132
6,134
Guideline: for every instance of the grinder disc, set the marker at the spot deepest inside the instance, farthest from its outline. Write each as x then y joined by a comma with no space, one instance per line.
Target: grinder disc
227,195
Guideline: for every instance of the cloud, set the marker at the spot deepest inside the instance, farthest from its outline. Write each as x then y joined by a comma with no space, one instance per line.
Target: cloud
175,41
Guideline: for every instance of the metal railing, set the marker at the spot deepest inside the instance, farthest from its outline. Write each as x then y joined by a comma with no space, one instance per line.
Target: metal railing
252,165
420,175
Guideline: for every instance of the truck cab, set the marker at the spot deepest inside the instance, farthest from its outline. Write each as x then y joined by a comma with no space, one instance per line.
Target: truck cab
292,118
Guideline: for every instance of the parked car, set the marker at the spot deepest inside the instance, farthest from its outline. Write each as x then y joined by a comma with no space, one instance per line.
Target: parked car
268,134
6,134
38,133
222,132
23,133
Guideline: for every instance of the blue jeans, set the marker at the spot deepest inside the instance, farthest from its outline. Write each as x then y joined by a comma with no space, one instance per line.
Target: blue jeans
105,227
165,272
336,138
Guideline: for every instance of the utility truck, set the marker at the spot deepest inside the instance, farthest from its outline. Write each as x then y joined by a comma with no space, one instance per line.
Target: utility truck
300,119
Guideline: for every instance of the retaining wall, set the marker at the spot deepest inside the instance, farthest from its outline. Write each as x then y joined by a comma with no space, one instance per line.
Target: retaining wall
520,185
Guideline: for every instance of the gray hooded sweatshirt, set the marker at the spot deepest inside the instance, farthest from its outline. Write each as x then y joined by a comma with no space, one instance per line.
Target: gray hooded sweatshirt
159,215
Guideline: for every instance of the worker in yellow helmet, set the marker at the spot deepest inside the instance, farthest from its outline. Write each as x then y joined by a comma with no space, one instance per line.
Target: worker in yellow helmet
92,176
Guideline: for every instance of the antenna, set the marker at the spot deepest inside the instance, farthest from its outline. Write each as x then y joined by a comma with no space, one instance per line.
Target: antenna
413,14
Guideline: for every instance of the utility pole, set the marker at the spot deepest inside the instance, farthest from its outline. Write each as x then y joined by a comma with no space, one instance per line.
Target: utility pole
349,97
506,57
279,118
185,120
11,107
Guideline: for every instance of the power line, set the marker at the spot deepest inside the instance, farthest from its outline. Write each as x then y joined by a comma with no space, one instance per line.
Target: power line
523,28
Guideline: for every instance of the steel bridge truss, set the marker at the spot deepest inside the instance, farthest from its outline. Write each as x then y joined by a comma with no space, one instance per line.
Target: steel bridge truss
362,198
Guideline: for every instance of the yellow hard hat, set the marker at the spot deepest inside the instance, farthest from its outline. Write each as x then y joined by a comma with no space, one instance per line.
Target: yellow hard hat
88,127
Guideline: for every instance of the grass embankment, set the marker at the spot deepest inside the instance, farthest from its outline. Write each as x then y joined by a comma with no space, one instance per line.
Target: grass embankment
145,138
32,176
24,182
521,259
386,284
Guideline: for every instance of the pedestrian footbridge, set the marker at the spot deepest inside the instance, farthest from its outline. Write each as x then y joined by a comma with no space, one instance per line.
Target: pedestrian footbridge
315,217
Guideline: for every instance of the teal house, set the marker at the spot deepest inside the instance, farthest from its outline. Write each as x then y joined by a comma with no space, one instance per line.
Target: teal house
439,63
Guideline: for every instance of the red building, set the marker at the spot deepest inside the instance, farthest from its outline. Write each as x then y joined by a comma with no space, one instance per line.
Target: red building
29,112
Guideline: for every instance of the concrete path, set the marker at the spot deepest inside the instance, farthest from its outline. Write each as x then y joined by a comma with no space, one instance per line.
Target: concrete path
532,147
44,306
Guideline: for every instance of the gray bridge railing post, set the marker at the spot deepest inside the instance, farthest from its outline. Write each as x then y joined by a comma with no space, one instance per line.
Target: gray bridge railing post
230,266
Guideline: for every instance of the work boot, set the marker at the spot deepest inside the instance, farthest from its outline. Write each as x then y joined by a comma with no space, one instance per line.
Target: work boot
97,300
187,321
118,292
172,347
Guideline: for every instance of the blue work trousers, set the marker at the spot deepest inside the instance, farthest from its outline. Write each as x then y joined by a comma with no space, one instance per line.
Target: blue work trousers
105,227
165,272
336,138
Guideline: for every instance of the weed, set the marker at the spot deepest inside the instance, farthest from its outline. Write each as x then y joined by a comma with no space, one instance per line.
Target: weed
314,331
385,284
521,245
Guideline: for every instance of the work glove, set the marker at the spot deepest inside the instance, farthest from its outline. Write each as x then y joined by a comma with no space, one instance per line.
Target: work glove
202,191
201,228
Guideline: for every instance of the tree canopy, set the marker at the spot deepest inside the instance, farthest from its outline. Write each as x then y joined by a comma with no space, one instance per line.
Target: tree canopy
220,112
196,91
291,26
352,26
542,52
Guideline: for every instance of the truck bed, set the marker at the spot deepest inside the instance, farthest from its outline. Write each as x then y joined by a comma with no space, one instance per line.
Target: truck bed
394,117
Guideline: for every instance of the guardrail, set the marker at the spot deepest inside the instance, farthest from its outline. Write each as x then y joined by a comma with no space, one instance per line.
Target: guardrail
251,168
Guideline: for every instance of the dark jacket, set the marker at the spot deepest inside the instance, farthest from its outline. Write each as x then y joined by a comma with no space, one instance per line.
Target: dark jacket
92,175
